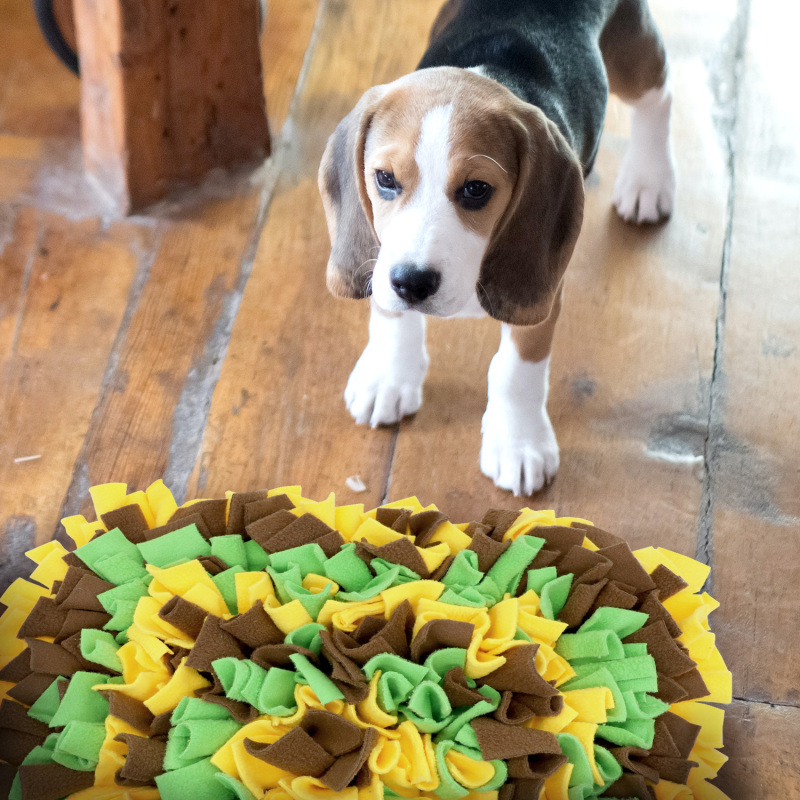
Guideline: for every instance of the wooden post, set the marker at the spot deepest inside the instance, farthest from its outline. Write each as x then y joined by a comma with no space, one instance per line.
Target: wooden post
170,89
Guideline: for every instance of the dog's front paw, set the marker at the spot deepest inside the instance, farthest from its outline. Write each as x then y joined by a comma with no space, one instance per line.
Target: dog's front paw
381,390
645,186
518,452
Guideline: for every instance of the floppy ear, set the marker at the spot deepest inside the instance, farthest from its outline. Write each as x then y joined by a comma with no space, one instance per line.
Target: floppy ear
347,206
534,239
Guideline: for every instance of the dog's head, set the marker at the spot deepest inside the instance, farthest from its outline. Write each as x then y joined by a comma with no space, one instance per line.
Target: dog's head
442,185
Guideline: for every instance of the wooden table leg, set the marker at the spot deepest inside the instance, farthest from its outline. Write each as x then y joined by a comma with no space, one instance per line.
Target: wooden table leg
170,89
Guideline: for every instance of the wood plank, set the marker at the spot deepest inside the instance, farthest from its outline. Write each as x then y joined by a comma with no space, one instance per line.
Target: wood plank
277,414
755,479
633,350
761,743
169,92
72,310
150,420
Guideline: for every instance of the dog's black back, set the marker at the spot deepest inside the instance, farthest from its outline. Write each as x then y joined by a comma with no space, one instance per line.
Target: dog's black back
545,51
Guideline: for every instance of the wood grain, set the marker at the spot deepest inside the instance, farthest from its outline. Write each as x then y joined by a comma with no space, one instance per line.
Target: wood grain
277,414
755,466
168,93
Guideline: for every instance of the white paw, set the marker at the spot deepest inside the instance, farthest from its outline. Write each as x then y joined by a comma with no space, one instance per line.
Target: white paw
519,452
381,390
645,187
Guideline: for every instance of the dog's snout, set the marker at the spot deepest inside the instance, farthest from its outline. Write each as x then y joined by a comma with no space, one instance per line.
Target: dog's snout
414,284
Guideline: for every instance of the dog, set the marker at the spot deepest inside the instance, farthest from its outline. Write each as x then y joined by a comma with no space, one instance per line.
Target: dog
457,190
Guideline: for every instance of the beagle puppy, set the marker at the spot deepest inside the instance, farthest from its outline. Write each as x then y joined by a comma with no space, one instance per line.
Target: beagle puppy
457,190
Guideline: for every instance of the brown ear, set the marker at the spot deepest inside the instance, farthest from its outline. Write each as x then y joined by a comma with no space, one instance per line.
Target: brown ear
534,240
347,207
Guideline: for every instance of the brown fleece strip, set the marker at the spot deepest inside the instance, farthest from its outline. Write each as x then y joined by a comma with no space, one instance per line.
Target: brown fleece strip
45,619
521,790
52,659
670,692
670,659
330,543
83,595
129,519
535,767
693,683
253,628
597,536
212,512
400,551
30,688
161,724
185,616
332,732
56,587
670,769
615,596
129,710
652,606
179,653
626,568
424,525
684,734
52,781
15,746
585,565
544,558
259,509
516,708
177,524
74,574
488,550
71,560
346,767
77,619
499,520
295,752
213,643
667,582
439,633
631,786
580,601
278,655
477,527
559,537
236,507
663,743
389,516
503,741
18,668
303,530
262,530
144,761
213,565
360,653
14,717
243,713
441,570
7,774
72,644
396,631
457,690
345,674
624,756
519,673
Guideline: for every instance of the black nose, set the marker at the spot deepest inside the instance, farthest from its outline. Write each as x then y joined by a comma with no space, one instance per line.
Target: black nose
414,284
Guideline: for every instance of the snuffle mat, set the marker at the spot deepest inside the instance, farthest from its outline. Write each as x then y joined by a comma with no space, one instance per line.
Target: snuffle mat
267,646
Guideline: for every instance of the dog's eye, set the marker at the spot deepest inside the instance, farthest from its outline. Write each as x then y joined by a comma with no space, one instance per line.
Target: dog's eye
475,195
386,181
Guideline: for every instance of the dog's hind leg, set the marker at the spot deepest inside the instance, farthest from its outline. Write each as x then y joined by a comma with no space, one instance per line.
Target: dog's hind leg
636,65
386,382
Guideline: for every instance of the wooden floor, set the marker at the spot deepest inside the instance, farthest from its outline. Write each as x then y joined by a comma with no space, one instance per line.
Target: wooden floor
198,342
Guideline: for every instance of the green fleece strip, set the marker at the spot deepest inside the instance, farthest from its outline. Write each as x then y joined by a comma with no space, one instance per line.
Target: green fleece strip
554,594
197,781
48,702
598,675
193,708
324,688
428,708
389,662
312,602
608,766
310,558
490,591
174,547
81,702
578,648
633,733
78,745
486,706
464,570
439,662
195,739
581,768
393,689
347,569
240,791
109,544
121,602
225,581
620,620
374,587
449,788
640,705
463,596
257,557
404,574
230,548
99,646
242,680
281,578
507,571
307,636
